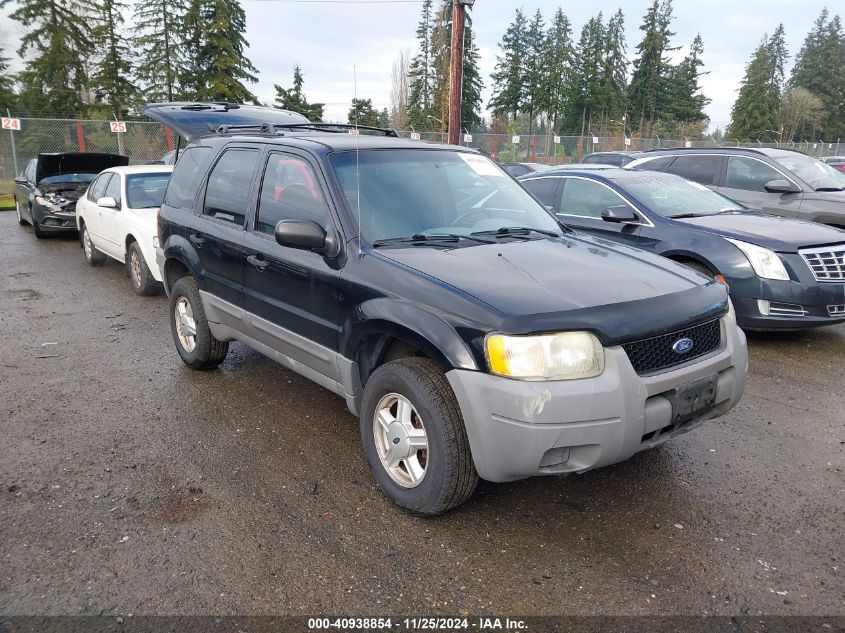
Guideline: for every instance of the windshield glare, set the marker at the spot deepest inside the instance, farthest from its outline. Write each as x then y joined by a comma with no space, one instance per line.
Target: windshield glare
145,191
671,196
814,172
430,192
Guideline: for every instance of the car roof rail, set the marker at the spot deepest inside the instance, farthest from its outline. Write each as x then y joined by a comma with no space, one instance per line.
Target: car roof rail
277,128
756,150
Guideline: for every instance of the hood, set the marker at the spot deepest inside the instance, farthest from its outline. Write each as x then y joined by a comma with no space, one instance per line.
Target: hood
50,165
574,282
193,120
785,235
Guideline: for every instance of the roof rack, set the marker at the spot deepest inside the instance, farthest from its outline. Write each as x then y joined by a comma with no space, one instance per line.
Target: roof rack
276,128
757,150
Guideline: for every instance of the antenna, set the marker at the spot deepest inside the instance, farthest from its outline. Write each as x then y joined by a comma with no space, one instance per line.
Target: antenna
357,158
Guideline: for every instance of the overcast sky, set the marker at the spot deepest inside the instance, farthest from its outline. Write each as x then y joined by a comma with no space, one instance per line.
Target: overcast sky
327,40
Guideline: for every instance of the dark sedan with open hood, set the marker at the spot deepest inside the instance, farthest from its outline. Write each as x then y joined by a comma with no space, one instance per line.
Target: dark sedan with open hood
782,273
47,191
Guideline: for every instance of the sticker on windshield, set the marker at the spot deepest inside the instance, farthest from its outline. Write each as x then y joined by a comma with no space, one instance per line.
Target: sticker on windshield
480,165
698,186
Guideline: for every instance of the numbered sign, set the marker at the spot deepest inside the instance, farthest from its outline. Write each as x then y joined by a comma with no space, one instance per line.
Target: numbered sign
353,131
557,140
627,142
687,144
118,127
467,138
10,124
515,139
595,139
415,136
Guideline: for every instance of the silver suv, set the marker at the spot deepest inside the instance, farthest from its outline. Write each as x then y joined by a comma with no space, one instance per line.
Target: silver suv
780,181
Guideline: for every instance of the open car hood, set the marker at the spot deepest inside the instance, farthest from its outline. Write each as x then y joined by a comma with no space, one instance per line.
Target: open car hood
193,120
49,165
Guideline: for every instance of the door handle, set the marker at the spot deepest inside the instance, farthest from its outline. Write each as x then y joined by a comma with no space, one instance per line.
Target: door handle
259,262
197,240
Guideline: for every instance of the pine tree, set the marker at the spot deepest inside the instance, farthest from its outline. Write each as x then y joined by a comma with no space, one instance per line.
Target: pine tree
420,74
820,68
111,80
509,75
363,113
8,97
535,98
615,68
651,68
216,66
157,38
686,102
293,99
755,110
56,44
586,86
558,75
779,55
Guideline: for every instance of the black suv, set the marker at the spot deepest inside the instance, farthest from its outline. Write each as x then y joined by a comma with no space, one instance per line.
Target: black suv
471,333
779,181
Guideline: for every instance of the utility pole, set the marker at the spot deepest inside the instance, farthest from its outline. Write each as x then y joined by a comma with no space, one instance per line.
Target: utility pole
456,79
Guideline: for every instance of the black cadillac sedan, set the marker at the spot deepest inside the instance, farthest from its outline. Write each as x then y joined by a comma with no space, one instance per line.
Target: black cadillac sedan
47,190
782,273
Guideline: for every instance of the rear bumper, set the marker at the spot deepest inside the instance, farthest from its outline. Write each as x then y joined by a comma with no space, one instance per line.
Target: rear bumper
520,429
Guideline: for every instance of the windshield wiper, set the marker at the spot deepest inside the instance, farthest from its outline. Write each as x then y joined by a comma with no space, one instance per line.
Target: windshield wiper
422,238
516,230
689,215
830,189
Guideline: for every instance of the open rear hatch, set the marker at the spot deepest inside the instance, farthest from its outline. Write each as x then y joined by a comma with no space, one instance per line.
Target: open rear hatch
193,120
66,163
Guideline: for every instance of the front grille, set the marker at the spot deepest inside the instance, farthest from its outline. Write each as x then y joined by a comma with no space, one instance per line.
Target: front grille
772,308
838,310
827,264
655,354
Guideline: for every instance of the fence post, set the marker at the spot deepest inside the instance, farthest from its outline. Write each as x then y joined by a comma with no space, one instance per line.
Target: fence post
80,136
14,151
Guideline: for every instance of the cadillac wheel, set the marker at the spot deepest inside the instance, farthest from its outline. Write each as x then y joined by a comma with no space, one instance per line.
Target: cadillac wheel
414,437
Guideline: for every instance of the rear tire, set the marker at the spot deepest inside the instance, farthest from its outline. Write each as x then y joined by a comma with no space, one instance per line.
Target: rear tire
426,481
92,256
194,341
139,273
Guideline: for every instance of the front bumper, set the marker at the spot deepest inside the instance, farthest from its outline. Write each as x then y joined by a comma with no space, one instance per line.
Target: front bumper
519,429
58,221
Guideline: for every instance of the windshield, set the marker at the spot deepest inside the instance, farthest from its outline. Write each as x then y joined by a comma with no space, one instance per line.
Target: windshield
819,175
145,191
673,196
65,178
413,192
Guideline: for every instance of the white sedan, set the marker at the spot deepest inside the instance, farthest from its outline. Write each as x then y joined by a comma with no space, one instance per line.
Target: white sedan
117,218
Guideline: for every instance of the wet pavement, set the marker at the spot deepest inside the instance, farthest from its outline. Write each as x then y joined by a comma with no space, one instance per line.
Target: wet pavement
131,484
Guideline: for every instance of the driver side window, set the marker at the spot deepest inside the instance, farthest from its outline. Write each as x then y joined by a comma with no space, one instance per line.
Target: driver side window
97,189
587,198
113,189
749,174
290,191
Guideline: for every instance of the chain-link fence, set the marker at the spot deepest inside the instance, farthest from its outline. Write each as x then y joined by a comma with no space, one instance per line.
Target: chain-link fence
145,141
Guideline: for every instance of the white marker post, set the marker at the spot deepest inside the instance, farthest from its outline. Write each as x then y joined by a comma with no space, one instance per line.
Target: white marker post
119,128
13,125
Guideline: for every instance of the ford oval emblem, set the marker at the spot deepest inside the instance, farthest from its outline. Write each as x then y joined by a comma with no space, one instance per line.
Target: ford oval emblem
682,345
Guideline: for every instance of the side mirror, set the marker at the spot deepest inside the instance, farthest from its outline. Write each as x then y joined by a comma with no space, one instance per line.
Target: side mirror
21,180
781,186
303,234
619,213
108,202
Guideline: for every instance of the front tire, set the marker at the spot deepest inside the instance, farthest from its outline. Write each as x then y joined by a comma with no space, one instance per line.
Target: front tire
414,437
139,273
39,234
194,341
21,221
92,256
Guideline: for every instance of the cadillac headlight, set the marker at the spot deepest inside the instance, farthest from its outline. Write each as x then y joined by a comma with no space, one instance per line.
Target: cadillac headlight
765,262
563,356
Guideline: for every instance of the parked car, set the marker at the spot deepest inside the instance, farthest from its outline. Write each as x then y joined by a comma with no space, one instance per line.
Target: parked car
617,159
837,162
470,332
47,190
117,218
779,181
782,273
519,169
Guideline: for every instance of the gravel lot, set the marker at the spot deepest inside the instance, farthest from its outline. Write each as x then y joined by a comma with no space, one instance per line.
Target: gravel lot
131,484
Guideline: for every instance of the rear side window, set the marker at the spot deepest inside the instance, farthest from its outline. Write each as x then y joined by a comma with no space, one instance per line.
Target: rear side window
185,182
749,174
96,190
544,190
227,193
655,164
290,191
700,168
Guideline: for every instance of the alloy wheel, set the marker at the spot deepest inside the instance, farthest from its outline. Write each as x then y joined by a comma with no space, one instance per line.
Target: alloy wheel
186,327
401,440
135,268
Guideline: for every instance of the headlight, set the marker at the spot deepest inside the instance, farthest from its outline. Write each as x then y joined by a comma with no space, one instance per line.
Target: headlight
564,356
765,263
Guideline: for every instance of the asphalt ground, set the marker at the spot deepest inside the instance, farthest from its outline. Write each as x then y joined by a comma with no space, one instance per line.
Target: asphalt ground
134,485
